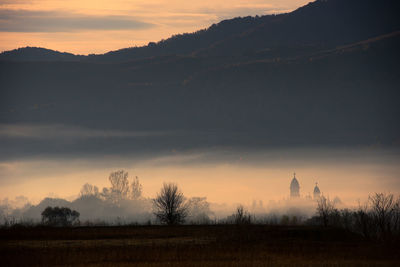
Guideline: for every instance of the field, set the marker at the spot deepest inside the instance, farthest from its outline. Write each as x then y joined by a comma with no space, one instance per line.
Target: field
206,245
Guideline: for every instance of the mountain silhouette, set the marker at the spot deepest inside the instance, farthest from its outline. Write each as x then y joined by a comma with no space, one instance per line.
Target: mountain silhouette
325,74
319,25
36,54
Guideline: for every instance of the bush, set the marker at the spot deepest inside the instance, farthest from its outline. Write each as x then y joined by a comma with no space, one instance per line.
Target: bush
60,216
241,216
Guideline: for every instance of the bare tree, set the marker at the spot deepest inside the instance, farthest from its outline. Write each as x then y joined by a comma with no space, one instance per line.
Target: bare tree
169,205
241,216
383,210
325,209
135,189
106,194
199,210
396,217
119,186
346,216
89,190
119,182
363,221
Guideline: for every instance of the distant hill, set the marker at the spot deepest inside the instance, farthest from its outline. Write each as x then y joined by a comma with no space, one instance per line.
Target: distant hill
319,25
326,74
37,54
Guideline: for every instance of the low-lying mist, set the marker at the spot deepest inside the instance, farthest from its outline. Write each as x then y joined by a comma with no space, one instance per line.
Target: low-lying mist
218,179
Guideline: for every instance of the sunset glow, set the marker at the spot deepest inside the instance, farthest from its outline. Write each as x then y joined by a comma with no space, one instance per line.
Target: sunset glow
236,177
199,133
90,26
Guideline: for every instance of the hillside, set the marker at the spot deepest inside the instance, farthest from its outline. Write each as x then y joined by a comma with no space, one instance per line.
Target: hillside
37,54
258,82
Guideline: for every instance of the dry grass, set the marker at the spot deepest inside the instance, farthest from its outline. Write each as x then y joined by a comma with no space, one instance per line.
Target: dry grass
214,245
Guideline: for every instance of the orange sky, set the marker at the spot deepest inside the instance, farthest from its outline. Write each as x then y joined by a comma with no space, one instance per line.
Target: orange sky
239,178
97,26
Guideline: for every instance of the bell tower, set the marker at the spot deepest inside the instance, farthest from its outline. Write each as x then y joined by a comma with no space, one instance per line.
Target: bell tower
294,187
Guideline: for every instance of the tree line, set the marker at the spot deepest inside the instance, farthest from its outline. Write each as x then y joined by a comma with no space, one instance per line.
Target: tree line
378,218
169,207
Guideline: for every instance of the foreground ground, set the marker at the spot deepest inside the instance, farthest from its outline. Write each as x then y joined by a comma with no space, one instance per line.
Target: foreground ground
213,245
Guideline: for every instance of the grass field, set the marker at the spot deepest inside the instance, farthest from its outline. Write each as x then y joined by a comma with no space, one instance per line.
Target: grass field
208,245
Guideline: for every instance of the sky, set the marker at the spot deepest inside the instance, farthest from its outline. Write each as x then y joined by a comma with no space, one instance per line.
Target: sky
98,26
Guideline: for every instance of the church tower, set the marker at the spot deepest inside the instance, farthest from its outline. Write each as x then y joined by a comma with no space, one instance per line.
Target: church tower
317,192
294,188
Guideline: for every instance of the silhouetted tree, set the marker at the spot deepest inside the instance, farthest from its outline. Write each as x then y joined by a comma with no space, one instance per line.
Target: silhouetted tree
325,209
199,210
383,210
120,188
363,221
396,217
241,216
119,182
169,205
89,190
346,216
135,189
59,216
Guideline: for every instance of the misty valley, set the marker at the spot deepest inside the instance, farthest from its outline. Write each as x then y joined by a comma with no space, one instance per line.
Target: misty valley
269,137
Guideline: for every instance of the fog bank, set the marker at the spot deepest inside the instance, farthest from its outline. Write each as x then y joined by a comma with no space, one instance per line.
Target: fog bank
226,175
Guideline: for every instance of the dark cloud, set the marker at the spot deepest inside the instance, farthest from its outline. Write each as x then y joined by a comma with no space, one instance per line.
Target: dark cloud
55,141
14,2
59,132
57,21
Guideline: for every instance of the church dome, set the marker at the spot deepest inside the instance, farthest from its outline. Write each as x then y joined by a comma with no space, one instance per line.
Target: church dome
294,184
316,190
294,188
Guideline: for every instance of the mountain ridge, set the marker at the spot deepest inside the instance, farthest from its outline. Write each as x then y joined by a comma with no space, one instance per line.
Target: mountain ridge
257,94
320,24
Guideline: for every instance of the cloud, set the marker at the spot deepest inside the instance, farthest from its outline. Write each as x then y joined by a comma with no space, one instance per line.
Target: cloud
14,2
203,15
57,21
59,131
242,10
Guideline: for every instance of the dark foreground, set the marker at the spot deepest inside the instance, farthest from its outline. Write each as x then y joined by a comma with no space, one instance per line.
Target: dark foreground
214,245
